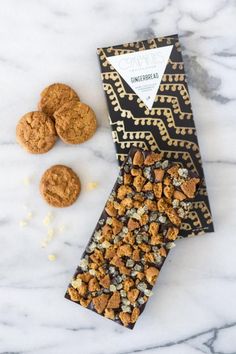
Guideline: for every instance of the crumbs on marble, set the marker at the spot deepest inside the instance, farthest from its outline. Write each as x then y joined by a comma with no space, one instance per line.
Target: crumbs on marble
92,185
29,215
52,257
51,231
61,228
23,223
48,218
48,238
28,180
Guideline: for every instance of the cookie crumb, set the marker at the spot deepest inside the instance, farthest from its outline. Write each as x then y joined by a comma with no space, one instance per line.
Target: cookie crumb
92,185
29,215
61,228
48,218
23,223
44,243
50,234
52,257
48,238
27,181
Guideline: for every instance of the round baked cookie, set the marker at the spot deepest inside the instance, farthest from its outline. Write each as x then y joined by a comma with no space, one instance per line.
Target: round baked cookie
54,96
36,133
60,186
75,122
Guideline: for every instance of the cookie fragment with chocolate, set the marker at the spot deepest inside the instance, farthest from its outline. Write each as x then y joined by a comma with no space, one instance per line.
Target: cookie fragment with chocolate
133,236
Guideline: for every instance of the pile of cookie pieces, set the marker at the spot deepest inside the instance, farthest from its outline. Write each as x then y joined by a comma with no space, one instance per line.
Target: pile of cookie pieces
132,238
60,114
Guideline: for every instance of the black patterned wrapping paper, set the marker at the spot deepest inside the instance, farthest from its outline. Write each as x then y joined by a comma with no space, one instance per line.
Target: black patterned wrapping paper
168,127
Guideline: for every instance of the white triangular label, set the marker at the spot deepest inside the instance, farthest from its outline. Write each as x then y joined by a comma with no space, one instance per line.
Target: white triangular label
143,71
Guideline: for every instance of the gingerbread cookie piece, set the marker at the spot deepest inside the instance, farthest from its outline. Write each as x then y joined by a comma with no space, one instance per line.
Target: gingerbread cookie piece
36,132
60,186
75,122
54,96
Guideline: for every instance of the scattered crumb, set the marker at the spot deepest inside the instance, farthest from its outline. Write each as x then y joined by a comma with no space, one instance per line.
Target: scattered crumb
44,243
29,215
51,234
48,218
61,228
23,223
27,181
92,185
52,257
48,238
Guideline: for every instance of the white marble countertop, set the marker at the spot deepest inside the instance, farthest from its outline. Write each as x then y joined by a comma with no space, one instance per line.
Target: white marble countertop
193,309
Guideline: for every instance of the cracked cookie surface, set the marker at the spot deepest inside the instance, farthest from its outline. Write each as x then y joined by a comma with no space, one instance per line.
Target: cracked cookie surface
75,122
54,96
36,133
60,186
